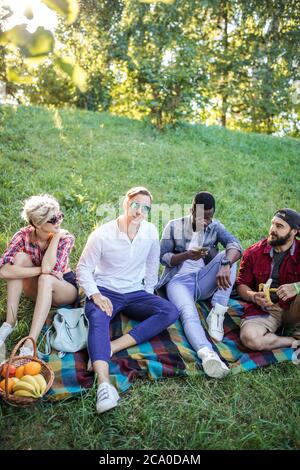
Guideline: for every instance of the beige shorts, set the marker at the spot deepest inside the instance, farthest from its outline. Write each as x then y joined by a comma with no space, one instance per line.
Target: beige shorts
271,321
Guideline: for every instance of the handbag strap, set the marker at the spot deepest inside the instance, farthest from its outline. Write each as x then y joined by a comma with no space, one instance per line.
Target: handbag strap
46,337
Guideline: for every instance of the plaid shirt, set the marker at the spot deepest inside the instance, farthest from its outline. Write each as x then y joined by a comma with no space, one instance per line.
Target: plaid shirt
21,243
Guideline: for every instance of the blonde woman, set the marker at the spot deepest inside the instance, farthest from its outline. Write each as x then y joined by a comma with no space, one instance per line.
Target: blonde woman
36,262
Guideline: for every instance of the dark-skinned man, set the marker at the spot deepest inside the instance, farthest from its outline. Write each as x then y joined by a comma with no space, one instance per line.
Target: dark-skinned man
194,270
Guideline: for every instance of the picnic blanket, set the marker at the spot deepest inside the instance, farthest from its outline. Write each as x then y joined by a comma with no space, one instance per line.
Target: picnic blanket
167,355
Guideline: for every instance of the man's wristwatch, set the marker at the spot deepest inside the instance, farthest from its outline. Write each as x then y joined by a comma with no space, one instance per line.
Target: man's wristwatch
226,262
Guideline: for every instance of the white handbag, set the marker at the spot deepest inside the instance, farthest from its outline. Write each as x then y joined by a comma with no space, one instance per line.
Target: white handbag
68,332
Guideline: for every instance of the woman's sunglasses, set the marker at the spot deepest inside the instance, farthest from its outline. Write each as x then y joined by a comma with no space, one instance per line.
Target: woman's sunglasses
136,205
56,218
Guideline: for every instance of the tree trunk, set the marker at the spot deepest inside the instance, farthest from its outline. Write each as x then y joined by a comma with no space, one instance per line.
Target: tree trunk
224,111
225,75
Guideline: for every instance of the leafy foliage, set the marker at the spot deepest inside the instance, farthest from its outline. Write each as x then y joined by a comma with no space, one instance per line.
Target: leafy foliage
229,62
39,46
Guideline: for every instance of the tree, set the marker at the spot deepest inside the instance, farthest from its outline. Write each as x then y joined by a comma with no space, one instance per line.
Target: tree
159,70
230,62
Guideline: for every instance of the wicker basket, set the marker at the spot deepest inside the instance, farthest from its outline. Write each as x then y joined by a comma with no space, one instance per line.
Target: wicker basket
17,361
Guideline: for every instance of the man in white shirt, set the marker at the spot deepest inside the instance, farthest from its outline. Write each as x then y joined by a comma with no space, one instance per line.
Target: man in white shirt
118,270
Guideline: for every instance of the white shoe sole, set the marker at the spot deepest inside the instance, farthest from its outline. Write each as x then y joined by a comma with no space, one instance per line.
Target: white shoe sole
109,406
213,368
214,336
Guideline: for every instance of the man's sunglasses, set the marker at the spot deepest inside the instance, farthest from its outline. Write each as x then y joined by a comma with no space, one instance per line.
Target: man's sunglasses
56,218
136,205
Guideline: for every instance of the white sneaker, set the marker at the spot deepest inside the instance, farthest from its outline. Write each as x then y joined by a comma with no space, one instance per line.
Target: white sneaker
5,330
215,320
26,351
296,354
107,397
212,364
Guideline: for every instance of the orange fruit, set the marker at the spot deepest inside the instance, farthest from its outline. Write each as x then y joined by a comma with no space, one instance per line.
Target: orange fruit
12,370
19,372
32,368
10,385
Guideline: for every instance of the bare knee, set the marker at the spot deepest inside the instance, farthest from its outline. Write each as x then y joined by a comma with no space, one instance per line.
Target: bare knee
22,259
46,280
251,339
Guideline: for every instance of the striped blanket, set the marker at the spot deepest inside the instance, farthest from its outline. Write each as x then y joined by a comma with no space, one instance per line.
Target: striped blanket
167,355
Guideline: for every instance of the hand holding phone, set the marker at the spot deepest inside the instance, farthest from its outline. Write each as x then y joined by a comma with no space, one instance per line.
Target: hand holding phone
198,252
202,249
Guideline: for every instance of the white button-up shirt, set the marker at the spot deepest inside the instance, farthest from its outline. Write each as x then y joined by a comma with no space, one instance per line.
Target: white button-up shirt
110,259
192,266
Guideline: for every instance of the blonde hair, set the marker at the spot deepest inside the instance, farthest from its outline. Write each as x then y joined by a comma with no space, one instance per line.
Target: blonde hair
38,209
138,190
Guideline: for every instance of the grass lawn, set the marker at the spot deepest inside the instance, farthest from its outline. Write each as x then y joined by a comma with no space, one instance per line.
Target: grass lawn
87,159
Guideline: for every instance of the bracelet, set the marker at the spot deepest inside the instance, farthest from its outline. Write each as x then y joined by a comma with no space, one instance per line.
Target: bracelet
253,299
297,288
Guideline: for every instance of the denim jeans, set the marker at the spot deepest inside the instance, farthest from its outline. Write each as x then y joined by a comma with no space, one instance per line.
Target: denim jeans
183,291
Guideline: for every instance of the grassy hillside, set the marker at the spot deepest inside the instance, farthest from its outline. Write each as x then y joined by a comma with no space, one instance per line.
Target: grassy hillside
87,159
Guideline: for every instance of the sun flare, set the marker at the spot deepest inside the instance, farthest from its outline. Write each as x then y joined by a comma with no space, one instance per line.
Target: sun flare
22,9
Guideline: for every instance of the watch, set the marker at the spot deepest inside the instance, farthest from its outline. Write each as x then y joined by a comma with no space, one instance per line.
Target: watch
225,262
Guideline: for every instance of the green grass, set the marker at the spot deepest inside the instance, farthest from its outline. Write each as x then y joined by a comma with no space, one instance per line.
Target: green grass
87,159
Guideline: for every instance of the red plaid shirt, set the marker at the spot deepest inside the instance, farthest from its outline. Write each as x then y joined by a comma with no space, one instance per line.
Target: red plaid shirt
21,241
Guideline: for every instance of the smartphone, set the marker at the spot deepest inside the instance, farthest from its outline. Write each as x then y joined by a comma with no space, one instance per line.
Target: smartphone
204,250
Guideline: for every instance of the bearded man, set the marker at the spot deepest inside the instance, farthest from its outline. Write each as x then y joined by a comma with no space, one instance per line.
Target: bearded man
268,281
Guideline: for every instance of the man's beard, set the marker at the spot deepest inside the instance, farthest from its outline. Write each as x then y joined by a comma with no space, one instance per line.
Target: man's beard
279,241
